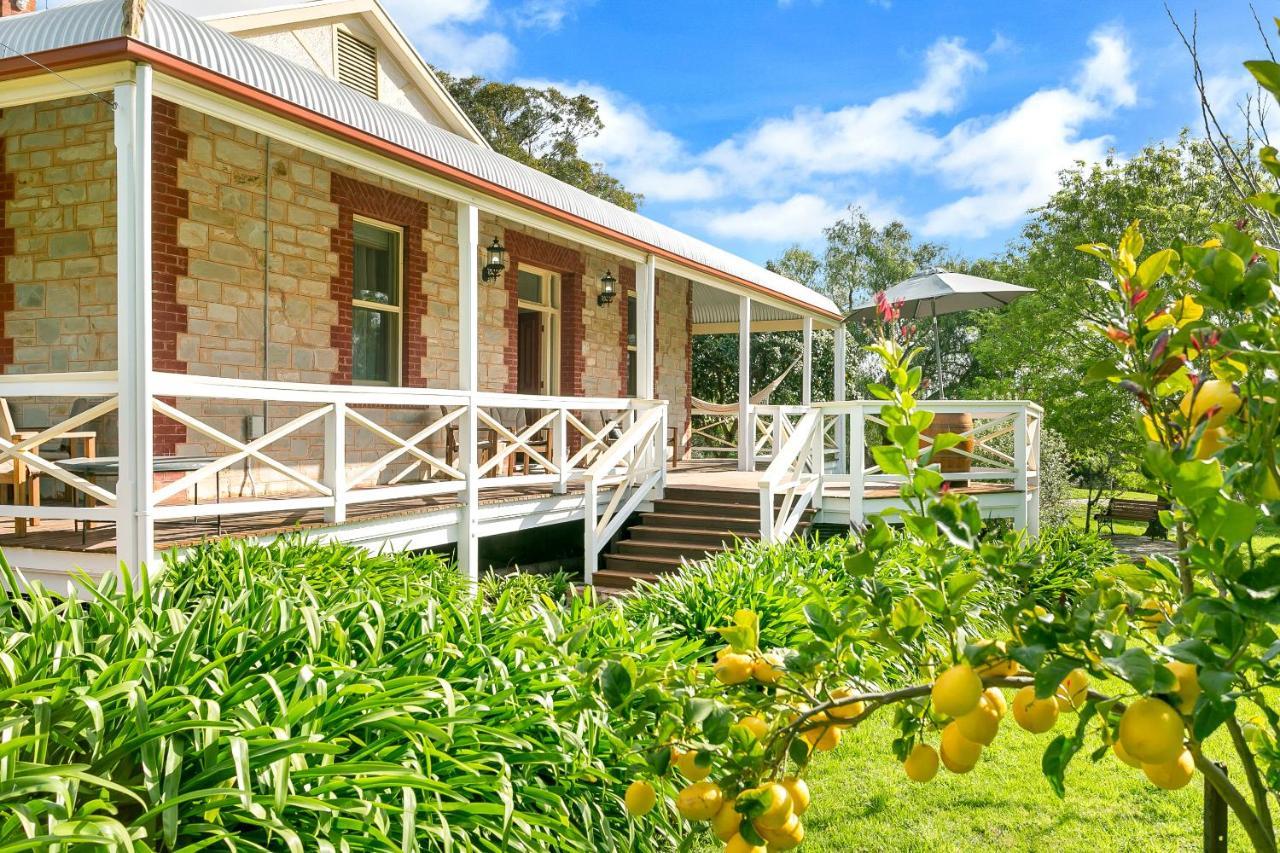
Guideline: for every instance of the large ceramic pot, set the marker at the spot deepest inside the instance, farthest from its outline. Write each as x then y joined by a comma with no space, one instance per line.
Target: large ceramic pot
948,460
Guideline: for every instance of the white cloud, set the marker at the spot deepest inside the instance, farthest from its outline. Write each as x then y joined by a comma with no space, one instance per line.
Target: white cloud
1105,75
801,217
887,132
1010,163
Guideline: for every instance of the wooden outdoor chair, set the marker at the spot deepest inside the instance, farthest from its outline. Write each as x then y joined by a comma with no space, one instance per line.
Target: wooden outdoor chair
516,420
21,483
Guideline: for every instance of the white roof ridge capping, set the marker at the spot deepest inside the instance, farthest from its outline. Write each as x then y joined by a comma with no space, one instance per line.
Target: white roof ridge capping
173,32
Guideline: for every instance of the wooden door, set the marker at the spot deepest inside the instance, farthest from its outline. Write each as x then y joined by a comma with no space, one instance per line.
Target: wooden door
529,353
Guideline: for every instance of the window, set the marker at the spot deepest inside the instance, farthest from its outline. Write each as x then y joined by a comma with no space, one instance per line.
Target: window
538,333
357,64
631,344
375,300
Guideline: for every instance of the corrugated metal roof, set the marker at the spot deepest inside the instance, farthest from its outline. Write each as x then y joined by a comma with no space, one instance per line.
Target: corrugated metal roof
167,29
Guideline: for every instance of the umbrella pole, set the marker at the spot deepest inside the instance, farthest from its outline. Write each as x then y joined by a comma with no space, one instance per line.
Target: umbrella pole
937,351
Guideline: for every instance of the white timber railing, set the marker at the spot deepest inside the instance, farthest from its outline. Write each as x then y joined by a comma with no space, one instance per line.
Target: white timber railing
632,471
21,453
793,481
327,447
1001,445
715,435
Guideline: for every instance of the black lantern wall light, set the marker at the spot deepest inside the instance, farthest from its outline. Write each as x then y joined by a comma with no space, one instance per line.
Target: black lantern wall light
607,289
496,261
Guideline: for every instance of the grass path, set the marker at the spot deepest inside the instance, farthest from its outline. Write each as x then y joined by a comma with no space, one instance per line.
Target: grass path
863,801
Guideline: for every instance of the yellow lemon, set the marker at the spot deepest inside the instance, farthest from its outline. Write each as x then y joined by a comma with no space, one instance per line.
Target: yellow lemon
738,844
688,765
1216,394
828,738
798,790
1118,749
956,691
700,800
958,750
847,711
1073,690
981,724
726,822
1151,731
922,764
995,696
734,668
1035,715
767,669
1270,488
1172,775
758,727
997,663
777,805
784,837
1188,689
640,798
1159,611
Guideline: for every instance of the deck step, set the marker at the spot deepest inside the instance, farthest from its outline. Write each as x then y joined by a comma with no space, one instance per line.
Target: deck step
707,510
685,521
700,536
641,564
718,496
620,581
675,550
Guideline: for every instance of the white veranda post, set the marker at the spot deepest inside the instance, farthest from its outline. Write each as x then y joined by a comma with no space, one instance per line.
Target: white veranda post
468,382
135,531
746,427
838,394
806,392
645,301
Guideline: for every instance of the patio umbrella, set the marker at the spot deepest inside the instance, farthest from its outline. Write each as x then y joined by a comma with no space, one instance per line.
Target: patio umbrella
936,291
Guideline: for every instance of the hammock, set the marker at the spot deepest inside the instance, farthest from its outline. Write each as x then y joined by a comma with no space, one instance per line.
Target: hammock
702,407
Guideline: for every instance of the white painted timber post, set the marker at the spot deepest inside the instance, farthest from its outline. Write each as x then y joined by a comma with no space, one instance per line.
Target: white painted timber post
838,394
468,380
806,389
857,469
590,552
560,449
646,300
335,462
746,425
135,539
1020,460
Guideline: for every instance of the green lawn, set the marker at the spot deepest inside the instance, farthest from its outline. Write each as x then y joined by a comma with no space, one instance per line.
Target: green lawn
863,801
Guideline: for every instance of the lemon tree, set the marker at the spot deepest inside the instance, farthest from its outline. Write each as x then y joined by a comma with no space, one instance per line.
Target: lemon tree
1186,644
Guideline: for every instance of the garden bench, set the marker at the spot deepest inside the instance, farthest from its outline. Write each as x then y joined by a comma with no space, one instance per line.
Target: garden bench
1128,509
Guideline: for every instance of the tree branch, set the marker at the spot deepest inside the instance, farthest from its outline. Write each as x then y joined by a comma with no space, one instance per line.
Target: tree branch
1256,786
1253,827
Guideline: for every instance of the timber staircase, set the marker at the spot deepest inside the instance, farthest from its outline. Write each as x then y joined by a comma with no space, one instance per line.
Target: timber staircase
687,524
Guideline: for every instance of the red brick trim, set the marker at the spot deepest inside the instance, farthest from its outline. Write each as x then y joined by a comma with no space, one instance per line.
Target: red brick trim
626,284
569,264
169,205
358,198
8,244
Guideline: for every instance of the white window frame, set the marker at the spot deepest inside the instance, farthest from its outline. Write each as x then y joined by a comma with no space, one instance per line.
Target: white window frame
549,308
397,344
633,354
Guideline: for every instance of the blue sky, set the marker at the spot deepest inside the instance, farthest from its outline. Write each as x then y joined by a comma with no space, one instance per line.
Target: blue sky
755,123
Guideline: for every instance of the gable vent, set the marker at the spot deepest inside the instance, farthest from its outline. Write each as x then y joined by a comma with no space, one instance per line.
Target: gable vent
357,64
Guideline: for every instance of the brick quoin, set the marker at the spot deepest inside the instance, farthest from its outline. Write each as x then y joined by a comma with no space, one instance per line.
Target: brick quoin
169,205
8,244
626,284
356,198
569,264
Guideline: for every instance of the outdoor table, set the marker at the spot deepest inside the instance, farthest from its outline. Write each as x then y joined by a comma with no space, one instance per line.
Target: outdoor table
109,466
88,440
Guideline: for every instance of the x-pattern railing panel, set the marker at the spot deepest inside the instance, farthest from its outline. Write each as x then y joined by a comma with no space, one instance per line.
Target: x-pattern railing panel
22,452
411,446
983,433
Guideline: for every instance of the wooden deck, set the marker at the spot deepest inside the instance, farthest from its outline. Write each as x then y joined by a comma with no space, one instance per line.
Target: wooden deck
101,538
53,535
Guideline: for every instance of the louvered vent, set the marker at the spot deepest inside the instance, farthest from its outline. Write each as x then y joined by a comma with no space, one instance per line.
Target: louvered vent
357,64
